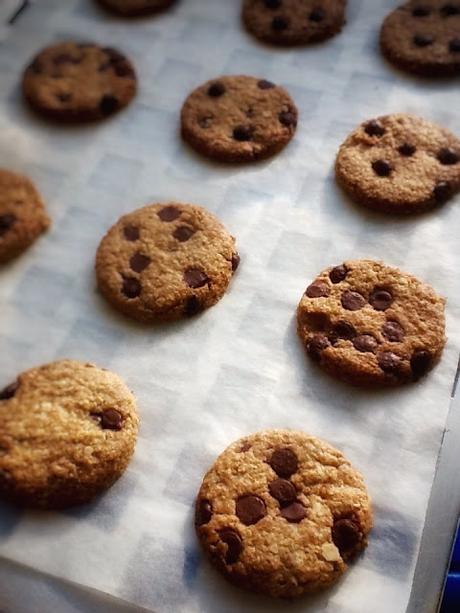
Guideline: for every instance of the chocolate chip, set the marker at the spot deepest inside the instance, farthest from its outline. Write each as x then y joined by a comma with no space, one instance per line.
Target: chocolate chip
374,128
216,90
64,97
449,10
393,331
242,133
317,15
316,345
131,287
7,482
108,104
139,262
420,363
287,118
6,221
344,330
352,301
123,69
194,277
9,391
442,191
365,343
448,156
423,40
264,84
338,273
318,289
454,45
316,321
294,513
382,168
245,447
380,299
183,233
284,462
114,55
35,67
111,419
192,306
283,491
421,11
389,362
407,150
235,261
131,233
347,536
272,4
279,24
250,509
234,544
203,512
169,213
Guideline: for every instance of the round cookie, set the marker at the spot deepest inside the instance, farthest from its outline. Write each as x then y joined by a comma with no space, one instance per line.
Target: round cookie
371,325
68,433
238,119
165,261
399,164
293,22
281,512
22,215
79,82
423,37
134,8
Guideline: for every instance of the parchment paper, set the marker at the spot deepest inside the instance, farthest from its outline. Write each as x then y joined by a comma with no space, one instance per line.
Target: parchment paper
237,368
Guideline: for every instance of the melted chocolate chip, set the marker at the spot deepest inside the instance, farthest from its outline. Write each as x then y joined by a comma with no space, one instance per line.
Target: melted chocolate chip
250,509
264,84
283,491
194,277
6,222
347,536
242,133
393,331
139,262
183,233
232,539
380,299
192,306
389,362
421,11
374,128
64,97
235,261
352,301
454,45
216,90
284,462
338,273
382,168
318,289
131,233
169,213
343,330
203,512
294,513
272,4
317,15
108,104
423,40
9,391
420,363
365,343
448,156
316,345
407,150
442,191
111,419
287,118
131,287
279,24
449,10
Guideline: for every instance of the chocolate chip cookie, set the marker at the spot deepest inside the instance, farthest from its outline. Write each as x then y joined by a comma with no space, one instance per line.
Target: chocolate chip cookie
238,119
134,8
68,433
79,82
371,325
399,164
281,512
22,215
293,22
423,37
165,261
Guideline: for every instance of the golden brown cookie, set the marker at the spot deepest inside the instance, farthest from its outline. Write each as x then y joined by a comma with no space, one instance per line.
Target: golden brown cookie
22,215
371,325
399,164
165,261
423,37
134,8
293,22
68,433
79,82
281,512
238,119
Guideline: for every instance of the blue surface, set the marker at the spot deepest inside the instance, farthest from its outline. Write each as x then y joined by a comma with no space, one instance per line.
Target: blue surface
451,598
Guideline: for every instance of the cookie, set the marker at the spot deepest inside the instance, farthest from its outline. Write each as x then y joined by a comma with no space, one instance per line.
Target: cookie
134,8
165,261
22,215
79,82
371,325
238,119
281,512
68,433
423,37
399,164
293,22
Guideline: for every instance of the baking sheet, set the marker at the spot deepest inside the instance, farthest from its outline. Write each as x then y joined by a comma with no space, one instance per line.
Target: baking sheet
237,368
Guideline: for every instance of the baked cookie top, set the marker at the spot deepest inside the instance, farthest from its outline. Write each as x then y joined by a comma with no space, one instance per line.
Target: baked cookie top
293,22
372,325
165,261
238,118
134,8
423,37
281,512
399,164
68,432
22,214
79,81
